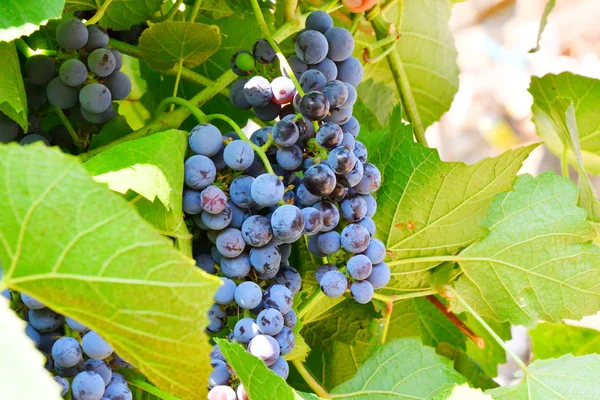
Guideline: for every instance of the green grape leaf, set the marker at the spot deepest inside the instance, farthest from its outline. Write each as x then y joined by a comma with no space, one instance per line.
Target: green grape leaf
493,354
215,9
549,340
13,100
114,129
543,22
83,251
562,378
466,366
459,392
376,101
258,380
427,207
151,166
585,93
426,55
21,362
537,261
167,222
122,14
166,44
403,369
23,17
146,91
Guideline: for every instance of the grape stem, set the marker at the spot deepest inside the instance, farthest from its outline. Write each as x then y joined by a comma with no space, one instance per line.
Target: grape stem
564,161
169,15
200,116
488,328
63,118
177,79
479,342
136,381
24,48
99,13
195,10
310,380
389,309
289,11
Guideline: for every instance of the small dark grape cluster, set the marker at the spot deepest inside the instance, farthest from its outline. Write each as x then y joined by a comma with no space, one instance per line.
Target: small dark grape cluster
317,183
81,361
86,75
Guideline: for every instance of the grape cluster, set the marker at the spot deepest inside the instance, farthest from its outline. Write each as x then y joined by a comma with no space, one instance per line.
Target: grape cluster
85,79
317,183
81,360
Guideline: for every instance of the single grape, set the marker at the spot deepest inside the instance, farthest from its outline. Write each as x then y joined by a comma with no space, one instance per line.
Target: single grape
236,268
350,71
64,385
369,225
313,79
311,47
333,284
75,325
286,250
329,242
376,251
118,58
9,129
336,92
97,38
238,155
360,151
73,72
265,260
287,223
278,297
206,263
71,34
298,67
258,91
217,318
289,158
39,69
33,138
66,352
270,321
313,247
233,63
268,112
88,385
290,278
341,44
339,193
330,213
260,137
117,379
230,243
220,374
99,367
328,68
319,180
371,204
31,302
248,295
319,21
222,392
101,62
244,61
61,95
240,191
349,141
264,347
281,367
339,115
286,340
95,347
305,127
216,353
246,329
119,85
217,221
362,291
99,118
359,267
290,319
267,190
313,221
352,126
285,133
353,177
237,96
355,238
45,320
256,231
305,197
350,101
353,209
329,135
199,172
94,98
263,52
283,90
213,200
118,392
371,180
314,106
341,160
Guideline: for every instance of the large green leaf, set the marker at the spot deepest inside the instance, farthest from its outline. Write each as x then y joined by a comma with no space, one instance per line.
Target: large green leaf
585,93
21,363
427,207
23,17
562,378
493,354
404,369
537,261
122,14
551,340
166,44
375,104
426,56
83,251
13,101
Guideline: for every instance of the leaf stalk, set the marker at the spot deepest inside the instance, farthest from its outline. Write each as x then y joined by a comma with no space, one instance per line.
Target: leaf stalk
99,13
310,380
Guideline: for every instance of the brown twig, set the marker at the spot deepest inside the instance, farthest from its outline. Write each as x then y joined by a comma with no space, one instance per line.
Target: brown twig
479,342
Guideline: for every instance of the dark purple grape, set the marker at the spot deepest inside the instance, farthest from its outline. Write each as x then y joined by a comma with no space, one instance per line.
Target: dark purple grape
313,80
319,180
311,47
314,106
263,52
330,135
336,92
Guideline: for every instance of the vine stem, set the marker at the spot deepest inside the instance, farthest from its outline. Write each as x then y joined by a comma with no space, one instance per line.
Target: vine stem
200,116
479,342
145,386
425,260
24,48
310,380
169,16
389,309
488,328
177,79
195,10
63,118
381,27
289,11
99,13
